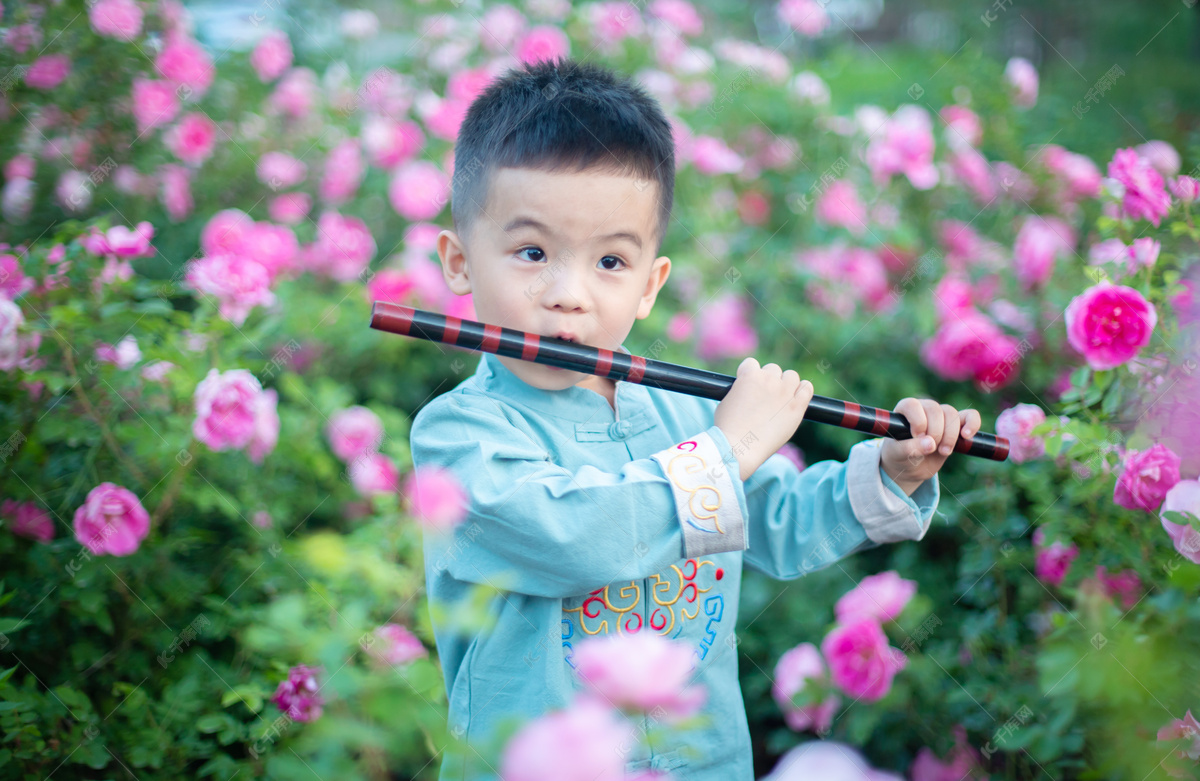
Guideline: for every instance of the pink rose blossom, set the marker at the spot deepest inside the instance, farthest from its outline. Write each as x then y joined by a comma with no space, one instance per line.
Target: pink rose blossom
904,145
21,37
184,62
1144,251
295,93
679,15
500,27
394,644
298,695
26,519
680,327
157,371
19,167
810,88
176,192
1052,562
806,17
125,354
963,127
48,71
1015,425
353,431
11,342
126,243
1076,175
13,282
1144,197
861,663
1109,251
154,103
1184,497
840,205
1039,242
642,671
1185,188
227,409
274,246
272,55
543,44
1146,477
225,231
974,172
120,19
389,284
390,143
239,284
289,208
1188,729
419,190
266,426
344,170
725,330
612,21
436,498
1161,155
961,763
969,345
111,520
193,139
586,741
445,117
793,670
881,597
344,247
374,473
713,156
1022,80
1108,324
827,760
1126,585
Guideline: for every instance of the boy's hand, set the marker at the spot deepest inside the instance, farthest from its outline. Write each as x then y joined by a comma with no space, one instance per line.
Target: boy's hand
762,410
935,428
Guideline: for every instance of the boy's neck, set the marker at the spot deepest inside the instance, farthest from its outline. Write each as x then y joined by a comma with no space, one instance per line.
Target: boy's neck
604,386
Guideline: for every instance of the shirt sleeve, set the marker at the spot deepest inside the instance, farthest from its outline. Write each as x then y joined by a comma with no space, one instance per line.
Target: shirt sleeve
803,521
534,527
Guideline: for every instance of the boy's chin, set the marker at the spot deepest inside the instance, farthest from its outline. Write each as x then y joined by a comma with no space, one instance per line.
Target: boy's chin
539,375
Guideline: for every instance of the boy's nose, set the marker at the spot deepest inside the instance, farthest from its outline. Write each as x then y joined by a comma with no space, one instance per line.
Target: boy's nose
565,288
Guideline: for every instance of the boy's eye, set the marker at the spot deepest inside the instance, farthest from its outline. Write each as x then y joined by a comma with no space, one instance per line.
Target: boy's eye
538,254
613,258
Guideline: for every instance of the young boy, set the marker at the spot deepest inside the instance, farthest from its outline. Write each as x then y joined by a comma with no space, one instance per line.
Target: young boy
598,507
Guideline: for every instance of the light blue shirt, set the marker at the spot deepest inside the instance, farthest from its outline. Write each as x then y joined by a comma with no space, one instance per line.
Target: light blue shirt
591,521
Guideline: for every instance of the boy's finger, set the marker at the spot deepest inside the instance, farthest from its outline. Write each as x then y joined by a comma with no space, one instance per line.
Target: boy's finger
918,425
950,431
935,419
971,422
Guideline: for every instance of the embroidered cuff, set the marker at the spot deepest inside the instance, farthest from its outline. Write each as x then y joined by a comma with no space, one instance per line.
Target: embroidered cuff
885,512
705,496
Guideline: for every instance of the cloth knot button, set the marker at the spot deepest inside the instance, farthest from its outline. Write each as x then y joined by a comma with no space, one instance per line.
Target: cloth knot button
620,429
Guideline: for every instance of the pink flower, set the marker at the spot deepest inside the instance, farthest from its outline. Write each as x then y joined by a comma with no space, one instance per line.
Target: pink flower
1039,242
840,205
1144,196
13,282
792,672
1051,563
1146,478
344,247
1180,729
969,345
1108,324
445,117
542,44
266,426
273,246
225,231
124,355
157,371
389,142
500,27
1161,155
1022,80
904,145
298,695
154,103
48,71
1126,585
1185,188
176,193
353,431
389,284
613,21
713,156
272,55
193,139
679,15
295,93
961,763
642,671
963,127
120,19
393,644
21,37
806,17
19,167
183,62
289,208
111,520
587,741
680,327
1184,497
861,663
239,284
1077,176
227,409
11,343
373,473
725,330
1015,425
974,172
1144,251
880,597
26,519
436,498
419,190
344,170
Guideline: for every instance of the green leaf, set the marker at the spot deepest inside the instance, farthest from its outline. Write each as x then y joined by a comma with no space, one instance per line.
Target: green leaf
211,722
250,695
1079,377
10,625
6,674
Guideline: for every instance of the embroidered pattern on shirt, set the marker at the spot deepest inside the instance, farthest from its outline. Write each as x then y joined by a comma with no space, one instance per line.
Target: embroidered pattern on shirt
705,498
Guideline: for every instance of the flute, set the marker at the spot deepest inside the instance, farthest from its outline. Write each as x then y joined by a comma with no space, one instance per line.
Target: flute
512,343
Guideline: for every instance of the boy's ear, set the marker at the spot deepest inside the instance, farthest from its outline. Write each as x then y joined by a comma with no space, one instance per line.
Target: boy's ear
453,256
658,277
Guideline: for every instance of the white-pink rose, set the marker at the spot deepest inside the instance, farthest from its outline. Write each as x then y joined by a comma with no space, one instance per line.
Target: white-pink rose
1022,80
111,520
374,473
120,19
353,431
419,190
881,596
1015,425
239,283
587,741
394,644
193,139
272,55
227,409
1184,497
436,498
642,671
792,672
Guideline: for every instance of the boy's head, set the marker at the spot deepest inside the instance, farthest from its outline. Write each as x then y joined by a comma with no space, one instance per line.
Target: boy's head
564,176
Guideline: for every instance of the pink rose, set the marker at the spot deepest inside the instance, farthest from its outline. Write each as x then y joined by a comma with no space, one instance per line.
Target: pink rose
642,671
614,21
1146,478
679,15
120,19
125,354
1125,585
11,342
967,345
963,127
344,170
713,156
840,205
227,409
1184,497
419,190
13,282
1051,563
225,231
19,167
295,93
880,597
974,172
176,192
289,208
792,672
393,644
154,103
1015,425
904,145
1144,196
193,139
725,330
390,143
1108,324
806,17
389,284
587,741
680,327
1188,729
272,55
344,247
273,246
500,27
1076,175
861,663
1161,155
1022,80
280,170
157,371
353,431
48,71
111,520
1185,188
373,473
1039,242
183,62
961,763
238,283
1144,252
436,498
26,519
298,695
266,426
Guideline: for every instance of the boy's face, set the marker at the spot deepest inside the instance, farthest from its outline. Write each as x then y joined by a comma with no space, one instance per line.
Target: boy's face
560,254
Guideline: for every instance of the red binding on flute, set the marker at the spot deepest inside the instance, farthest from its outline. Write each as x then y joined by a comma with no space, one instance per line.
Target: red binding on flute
511,343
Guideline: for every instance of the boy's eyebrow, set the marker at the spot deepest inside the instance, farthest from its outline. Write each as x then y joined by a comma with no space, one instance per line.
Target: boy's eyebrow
529,222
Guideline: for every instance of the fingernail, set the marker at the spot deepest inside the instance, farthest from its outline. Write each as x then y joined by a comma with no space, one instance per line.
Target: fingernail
967,432
944,450
927,444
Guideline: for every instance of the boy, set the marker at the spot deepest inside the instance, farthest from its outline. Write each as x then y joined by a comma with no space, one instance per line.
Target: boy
599,507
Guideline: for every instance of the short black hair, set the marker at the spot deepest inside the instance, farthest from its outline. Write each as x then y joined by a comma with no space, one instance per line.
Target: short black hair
558,115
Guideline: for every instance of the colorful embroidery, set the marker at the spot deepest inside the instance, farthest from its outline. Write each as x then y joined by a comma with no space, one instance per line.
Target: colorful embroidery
705,497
